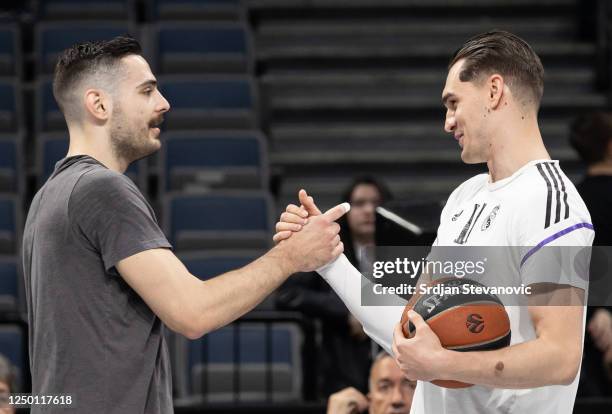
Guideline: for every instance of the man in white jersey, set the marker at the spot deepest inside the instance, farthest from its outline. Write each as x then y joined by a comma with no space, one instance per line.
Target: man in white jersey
492,96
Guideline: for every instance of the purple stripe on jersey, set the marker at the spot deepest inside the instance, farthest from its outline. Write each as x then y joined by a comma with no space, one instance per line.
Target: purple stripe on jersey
555,237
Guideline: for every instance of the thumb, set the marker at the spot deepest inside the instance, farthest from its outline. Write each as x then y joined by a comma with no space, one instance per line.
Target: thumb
308,203
340,210
417,320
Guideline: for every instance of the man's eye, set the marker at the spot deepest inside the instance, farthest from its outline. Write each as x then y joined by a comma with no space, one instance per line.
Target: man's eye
148,91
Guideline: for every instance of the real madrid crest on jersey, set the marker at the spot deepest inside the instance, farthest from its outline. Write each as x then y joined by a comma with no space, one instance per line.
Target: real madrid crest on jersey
487,222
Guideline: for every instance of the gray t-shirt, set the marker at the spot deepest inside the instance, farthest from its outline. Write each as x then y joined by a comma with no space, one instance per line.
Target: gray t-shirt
91,335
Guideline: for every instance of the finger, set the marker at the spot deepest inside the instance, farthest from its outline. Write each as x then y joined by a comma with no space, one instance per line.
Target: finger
282,226
417,320
308,203
340,210
336,240
283,235
292,208
338,250
292,218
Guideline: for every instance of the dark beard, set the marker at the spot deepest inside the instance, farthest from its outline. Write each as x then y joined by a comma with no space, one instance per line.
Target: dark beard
125,142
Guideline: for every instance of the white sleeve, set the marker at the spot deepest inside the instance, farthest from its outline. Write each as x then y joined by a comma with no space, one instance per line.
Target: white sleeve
378,321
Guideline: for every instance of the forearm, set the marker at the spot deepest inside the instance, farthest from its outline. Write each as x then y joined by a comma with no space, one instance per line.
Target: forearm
223,299
530,364
377,321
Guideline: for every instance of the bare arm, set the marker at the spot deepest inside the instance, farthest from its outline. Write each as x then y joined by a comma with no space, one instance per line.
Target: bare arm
553,358
194,307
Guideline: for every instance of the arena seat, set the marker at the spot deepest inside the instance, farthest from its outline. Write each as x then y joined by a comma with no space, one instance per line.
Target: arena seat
218,220
10,50
9,219
52,38
10,105
214,359
210,102
228,10
201,48
10,164
86,9
213,160
48,115
9,278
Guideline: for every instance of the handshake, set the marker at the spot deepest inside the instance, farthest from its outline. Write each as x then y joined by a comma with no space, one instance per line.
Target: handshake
308,238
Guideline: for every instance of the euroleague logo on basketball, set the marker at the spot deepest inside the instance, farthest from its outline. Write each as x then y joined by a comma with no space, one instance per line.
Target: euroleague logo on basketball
475,323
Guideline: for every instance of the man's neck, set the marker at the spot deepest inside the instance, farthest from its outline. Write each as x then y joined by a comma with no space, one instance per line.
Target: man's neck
513,148
96,145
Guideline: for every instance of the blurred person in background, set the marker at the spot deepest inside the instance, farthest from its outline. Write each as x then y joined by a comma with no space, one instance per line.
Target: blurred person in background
7,385
390,392
347,352
591,137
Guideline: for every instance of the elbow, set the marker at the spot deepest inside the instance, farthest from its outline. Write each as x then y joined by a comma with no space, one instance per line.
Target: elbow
570,367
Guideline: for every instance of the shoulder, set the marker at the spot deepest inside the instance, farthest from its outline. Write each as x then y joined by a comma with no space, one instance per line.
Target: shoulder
546,202
546,191
98,187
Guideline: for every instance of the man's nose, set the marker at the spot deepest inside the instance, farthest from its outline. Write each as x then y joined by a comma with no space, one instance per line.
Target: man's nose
449,124
164,105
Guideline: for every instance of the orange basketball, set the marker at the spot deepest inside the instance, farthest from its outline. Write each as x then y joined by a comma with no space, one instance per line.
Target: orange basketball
463,321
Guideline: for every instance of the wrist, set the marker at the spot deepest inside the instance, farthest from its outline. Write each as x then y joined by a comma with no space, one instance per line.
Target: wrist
283,257
443,363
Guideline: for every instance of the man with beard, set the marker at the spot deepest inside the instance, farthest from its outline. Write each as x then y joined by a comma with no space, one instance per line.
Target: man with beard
101,280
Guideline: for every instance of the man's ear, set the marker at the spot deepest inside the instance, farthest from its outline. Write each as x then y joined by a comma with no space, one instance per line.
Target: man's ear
97,104
495,85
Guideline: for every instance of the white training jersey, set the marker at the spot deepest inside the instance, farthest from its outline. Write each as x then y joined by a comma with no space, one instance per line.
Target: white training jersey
536,206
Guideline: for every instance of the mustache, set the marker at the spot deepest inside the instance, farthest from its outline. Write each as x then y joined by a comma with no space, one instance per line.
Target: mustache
156,121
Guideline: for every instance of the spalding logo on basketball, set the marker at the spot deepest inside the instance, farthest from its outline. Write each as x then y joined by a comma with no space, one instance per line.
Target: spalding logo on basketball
475,323
463,322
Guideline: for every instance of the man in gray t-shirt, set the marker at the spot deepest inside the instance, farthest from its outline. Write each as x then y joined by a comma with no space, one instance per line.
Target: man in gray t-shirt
101,280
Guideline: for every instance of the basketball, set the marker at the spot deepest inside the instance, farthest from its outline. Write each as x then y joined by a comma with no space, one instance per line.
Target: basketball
471,321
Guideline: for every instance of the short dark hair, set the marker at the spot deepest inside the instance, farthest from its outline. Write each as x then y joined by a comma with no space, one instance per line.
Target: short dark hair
504,53
87,58
590,136
383,190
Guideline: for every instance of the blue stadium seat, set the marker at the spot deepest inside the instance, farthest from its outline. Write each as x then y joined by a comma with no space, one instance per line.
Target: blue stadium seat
212,362
219,220
10,164
10,50
86,9
48,115
201,48
9,216
201,160
210,102
12,346
52,38
53,147
10,105
9,277
228,10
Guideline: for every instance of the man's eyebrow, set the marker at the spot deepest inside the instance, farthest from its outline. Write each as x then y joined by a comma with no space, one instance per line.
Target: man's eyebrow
446,97
149,82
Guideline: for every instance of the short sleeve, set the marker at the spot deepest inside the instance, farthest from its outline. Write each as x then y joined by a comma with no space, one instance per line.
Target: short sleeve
555,248
110,212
